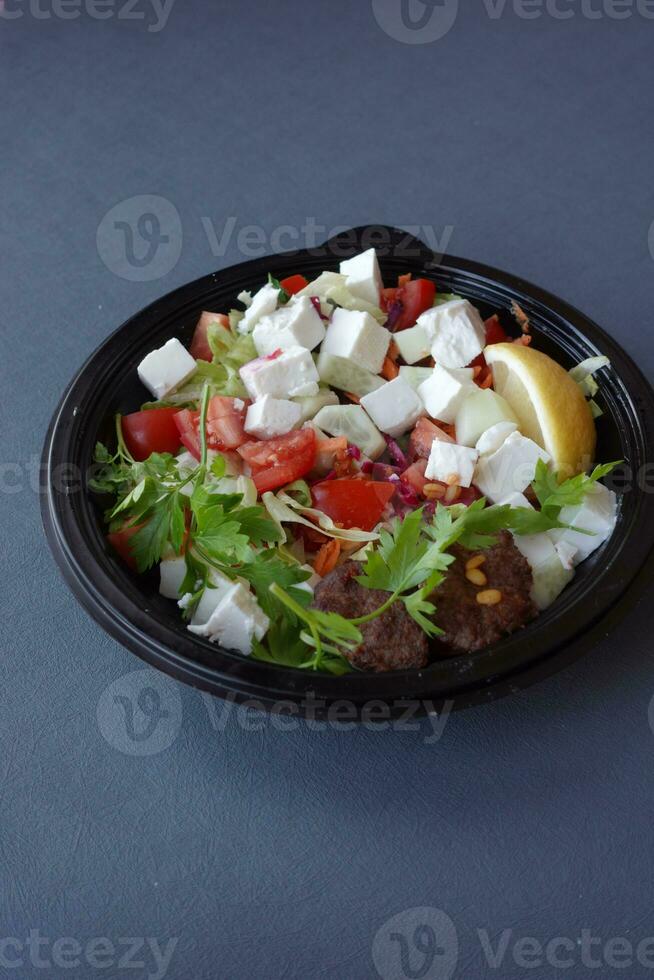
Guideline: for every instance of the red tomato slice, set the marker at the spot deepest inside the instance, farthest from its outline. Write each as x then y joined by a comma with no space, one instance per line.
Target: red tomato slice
152,431
119,541
225,425
353,503
293,284
276,462
199,348
423,436
495,333
187,426
415,475
468,496
327,455
226,422
416,296
388,297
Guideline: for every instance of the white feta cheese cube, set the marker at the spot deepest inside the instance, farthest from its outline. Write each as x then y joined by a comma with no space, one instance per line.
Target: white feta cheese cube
450,463
493,437
444,391
217,585
596,513
394,408
263,302
235,621
363,277
295,325
457,331
269,417
413,344
167,368
172,572
550,574
537,548
510,469
290,373
358,336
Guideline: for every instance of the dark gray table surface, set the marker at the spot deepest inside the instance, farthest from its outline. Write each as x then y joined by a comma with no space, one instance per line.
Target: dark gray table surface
226,847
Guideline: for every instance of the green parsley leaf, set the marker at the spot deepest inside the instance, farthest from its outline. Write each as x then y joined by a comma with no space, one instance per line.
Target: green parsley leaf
283,295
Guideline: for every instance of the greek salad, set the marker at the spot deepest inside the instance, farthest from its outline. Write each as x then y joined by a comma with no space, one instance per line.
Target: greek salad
345,474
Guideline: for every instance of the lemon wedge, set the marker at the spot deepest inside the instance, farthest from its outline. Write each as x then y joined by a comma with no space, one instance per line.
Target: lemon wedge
550,406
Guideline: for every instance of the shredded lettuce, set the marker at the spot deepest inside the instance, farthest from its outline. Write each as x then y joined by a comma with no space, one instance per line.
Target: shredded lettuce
583,375
341,296
445,298
285,509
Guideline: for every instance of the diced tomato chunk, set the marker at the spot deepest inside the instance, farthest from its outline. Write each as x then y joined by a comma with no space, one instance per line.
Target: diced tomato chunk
226,422
415,475
293,284
199,348
353,503
328,452
120,542
151,431
225,425
468,495
495,333
423,436
276,462
415,295
187,425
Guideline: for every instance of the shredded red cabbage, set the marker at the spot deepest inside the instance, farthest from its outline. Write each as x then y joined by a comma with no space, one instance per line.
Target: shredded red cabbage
354,452
396,453
395,311
318,307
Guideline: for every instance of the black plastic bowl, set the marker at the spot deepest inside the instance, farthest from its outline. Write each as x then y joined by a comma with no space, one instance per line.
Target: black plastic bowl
129,606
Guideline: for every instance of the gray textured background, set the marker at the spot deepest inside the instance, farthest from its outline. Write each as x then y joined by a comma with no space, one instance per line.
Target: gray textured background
283,854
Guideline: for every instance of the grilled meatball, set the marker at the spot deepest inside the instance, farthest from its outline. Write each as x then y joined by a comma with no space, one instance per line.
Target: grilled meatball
468,624
392,641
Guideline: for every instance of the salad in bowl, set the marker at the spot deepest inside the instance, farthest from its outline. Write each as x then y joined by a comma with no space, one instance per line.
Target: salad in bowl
346,475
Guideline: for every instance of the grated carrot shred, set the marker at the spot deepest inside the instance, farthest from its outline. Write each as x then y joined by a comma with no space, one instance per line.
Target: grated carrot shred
390,370
327,557
353,398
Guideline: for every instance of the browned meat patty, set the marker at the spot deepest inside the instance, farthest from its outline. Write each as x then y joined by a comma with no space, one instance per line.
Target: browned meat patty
469,625
393,641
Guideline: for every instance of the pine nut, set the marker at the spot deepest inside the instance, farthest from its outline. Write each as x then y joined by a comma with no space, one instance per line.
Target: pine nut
475,561
452,493
433,491
452,479
489,597
476,577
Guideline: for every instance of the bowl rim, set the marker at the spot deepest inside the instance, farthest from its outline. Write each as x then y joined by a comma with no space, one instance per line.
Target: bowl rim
100,584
